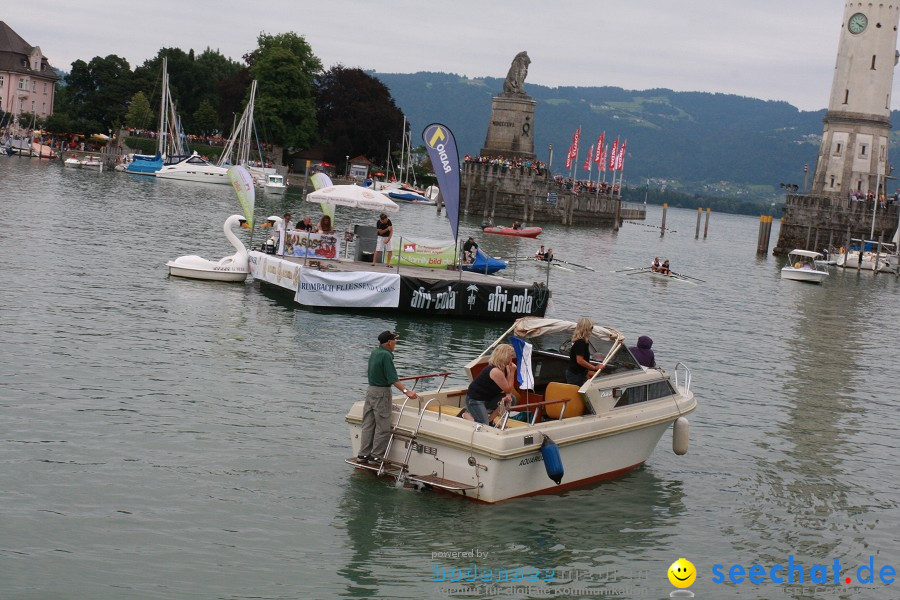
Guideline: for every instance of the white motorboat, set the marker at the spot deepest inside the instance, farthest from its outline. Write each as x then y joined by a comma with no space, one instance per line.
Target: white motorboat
91,162
802,266
73,162
231,268
607,427
274,184
195,168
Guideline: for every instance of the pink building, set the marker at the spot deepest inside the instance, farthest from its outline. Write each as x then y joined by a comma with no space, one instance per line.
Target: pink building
27,82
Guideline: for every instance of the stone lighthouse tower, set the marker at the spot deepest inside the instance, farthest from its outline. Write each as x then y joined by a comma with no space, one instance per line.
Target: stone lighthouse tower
853,155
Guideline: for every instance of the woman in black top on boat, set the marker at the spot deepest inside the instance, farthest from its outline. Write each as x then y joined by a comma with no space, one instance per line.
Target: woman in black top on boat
494,383
580,365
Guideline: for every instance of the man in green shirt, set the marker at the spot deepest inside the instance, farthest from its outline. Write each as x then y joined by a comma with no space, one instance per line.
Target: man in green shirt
376,421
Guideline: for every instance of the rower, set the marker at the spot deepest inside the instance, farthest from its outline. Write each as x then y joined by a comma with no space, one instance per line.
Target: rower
664,269
548,256
516,225
655,266
540,254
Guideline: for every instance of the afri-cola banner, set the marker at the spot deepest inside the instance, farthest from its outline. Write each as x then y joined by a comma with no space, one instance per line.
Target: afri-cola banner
412,252
472,300
444,157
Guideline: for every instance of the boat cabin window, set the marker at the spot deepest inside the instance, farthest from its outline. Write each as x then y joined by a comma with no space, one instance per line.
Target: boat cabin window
196,160
644,393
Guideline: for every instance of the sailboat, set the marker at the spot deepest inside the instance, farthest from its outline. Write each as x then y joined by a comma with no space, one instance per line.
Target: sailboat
169,145
237,148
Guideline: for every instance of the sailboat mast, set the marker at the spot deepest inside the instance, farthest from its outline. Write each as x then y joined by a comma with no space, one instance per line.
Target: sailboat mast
161,142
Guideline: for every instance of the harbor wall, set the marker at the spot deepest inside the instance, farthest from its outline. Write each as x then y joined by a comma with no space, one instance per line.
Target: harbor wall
812,222
493,191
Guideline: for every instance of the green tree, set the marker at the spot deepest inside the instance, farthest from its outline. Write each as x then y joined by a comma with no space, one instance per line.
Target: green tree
139,114
58,122
285,67
205,119
356,114
99,91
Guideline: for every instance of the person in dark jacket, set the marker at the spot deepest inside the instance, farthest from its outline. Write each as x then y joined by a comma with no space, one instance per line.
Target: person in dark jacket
642,352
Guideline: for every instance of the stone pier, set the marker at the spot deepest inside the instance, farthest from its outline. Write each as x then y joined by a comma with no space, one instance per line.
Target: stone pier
811,222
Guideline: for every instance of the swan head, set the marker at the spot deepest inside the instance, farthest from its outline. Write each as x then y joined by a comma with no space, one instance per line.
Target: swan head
272,221
236,220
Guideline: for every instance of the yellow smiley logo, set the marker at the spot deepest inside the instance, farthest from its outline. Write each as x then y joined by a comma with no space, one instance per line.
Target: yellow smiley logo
682,573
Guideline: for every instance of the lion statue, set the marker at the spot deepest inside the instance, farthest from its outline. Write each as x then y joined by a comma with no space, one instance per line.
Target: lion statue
518,70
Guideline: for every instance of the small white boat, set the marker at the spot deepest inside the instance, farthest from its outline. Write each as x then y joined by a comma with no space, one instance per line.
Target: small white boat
231,268
575,436
801,266
195,168
73,162
275,184
91,162
865,259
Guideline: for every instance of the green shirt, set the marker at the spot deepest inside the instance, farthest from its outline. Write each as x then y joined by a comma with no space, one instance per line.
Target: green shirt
381,367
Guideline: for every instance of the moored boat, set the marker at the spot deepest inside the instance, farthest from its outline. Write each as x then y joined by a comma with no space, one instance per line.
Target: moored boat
195,168
484,263
802,266
528,232
602,429
274,184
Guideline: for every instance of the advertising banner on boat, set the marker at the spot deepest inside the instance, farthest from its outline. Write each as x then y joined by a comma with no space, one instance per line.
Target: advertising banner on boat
312,245
353,290
465,299
441,146
420,252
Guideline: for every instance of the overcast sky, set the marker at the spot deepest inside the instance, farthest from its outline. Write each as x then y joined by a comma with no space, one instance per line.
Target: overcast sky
769,49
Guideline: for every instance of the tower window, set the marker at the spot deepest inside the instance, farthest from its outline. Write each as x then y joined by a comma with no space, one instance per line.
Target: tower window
862,149
873,62
832,181
846,96
859,185
837,149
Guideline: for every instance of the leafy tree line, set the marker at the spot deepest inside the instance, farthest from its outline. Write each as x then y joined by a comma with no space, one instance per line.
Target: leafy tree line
299,105
676,199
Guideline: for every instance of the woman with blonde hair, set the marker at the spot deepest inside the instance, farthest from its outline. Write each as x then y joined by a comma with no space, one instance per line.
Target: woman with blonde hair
494,383
580,365
325,225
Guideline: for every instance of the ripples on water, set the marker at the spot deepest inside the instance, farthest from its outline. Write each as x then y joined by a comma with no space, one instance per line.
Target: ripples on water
167,438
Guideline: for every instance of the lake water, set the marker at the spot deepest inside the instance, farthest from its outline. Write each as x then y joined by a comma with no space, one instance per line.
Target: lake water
166,438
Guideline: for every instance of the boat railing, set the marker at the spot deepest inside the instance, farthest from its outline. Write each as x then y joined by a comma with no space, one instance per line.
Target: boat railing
416,378
685,375
537,413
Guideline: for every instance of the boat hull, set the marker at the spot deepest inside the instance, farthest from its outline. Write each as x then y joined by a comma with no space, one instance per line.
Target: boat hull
205,274
807,275
527,232
509,464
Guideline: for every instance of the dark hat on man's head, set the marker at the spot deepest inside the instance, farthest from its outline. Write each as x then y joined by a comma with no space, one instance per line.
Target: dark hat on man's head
382,216
386,336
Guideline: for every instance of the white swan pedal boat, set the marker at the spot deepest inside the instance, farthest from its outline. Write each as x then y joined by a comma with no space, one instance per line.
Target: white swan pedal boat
232,268
605,428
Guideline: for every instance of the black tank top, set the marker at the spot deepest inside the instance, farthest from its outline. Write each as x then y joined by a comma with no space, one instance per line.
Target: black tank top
485,389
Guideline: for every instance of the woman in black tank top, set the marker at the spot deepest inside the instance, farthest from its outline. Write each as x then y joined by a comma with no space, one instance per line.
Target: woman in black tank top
494,383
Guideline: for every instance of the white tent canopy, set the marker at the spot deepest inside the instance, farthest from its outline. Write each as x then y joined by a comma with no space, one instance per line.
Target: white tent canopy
353,196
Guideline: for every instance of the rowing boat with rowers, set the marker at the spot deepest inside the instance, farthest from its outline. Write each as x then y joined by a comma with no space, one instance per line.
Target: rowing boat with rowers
528,232
661,275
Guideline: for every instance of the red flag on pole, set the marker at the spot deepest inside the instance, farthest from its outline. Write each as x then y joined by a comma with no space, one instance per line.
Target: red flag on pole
613,155
599,155
602,162
573,149
587,160
620,160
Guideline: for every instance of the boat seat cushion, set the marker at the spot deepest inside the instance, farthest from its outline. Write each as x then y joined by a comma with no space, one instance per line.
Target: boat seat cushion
563,391
447,411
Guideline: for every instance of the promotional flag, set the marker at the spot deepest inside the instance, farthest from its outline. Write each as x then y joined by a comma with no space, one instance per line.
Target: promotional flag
613,156
523,363
242,182
575,139
587,160
620,160
321,181
441,146
602,162
598,157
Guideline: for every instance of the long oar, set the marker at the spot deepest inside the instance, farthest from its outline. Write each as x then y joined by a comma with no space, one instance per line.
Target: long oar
573,264
631,269
687,276
641,272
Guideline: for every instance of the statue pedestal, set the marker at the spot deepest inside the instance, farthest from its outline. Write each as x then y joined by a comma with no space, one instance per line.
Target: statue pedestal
511,130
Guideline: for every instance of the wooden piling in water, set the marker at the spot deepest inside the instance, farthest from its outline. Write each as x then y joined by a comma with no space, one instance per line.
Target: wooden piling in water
697,231
759,235
662,228
706,226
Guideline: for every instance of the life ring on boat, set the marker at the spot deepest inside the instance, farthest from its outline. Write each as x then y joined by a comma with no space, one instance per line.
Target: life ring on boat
798,264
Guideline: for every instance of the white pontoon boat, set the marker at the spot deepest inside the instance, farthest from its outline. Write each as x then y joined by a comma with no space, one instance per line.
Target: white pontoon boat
605,428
